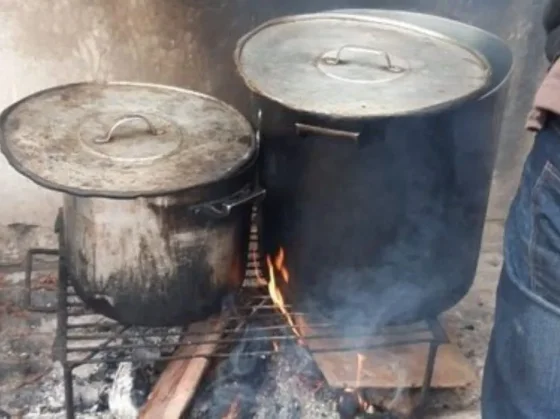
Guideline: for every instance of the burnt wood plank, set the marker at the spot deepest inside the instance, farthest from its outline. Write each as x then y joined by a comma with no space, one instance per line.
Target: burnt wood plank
177,385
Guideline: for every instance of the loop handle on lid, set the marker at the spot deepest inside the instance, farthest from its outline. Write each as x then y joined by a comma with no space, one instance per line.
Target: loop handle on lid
125,119
337,59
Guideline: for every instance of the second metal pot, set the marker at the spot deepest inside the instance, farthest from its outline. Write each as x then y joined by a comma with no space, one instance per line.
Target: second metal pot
377,178
159,185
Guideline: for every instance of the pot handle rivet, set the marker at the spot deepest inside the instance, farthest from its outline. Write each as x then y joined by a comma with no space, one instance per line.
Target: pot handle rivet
125,119
337,59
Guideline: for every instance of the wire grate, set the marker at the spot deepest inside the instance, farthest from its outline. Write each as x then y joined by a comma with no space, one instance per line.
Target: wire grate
84,337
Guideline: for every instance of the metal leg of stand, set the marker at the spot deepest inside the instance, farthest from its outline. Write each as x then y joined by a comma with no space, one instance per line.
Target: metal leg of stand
68,392
429,374
27,303
27,280
439,338
61,341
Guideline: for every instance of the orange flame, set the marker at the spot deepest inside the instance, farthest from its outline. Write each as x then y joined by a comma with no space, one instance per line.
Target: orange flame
361,359
363,403
273,289
233,411
279,265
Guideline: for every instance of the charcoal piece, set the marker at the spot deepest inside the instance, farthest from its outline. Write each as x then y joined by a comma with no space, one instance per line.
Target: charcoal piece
217,401
103,403
348,405
240,363
142,382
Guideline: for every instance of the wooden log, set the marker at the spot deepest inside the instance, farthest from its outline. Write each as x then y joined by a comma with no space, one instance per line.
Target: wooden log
177,385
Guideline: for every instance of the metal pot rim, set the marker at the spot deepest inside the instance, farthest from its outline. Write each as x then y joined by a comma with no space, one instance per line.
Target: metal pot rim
365,115
20,166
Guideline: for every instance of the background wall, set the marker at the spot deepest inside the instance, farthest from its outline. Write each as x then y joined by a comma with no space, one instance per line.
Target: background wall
44,43
189,43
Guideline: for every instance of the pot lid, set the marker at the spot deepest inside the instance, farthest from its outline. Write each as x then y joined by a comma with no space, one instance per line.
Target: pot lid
357,66
124,140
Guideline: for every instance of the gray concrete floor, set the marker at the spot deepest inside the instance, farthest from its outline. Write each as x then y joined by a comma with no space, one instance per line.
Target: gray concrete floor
27,370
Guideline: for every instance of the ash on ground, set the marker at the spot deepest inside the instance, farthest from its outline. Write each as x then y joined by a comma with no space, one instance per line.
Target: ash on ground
31,380
282,386
110,386
286,384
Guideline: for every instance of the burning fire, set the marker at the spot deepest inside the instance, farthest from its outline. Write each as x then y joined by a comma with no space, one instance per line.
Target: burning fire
356,392
352,399
360,366
363,403
273,289
273,265
279,265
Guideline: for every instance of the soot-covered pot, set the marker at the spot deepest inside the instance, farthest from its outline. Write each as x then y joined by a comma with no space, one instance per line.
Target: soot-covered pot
158,188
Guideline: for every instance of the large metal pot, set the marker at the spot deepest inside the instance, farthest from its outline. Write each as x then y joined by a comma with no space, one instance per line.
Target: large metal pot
379,138
158,186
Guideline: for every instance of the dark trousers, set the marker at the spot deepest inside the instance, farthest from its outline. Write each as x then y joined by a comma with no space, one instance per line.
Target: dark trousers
522,373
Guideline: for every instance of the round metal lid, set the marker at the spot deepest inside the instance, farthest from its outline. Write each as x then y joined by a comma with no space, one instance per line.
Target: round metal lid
124,139
357,66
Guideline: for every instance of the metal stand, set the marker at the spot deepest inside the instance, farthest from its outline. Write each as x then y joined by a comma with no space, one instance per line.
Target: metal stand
31,253
440,337
257,306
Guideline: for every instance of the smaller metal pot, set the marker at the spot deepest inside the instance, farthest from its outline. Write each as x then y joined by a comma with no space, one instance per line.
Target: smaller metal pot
159,187
157,261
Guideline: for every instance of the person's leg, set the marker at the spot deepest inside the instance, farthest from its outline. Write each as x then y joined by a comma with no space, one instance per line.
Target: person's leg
522,372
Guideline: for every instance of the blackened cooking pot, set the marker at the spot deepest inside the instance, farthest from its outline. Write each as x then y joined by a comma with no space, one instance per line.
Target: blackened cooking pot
159,184
379,137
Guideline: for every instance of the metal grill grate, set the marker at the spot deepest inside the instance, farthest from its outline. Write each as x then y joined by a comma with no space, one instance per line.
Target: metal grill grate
81,340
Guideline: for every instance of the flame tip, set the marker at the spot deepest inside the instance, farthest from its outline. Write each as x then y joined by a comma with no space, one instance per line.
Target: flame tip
274,291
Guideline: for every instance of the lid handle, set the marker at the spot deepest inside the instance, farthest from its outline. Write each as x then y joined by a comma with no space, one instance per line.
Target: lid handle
125,119
337,59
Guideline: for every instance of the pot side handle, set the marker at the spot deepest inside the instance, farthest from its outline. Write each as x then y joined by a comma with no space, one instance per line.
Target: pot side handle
223,208
305,129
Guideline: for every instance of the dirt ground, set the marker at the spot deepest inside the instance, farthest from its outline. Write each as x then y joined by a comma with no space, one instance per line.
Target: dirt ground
28,376
471,322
